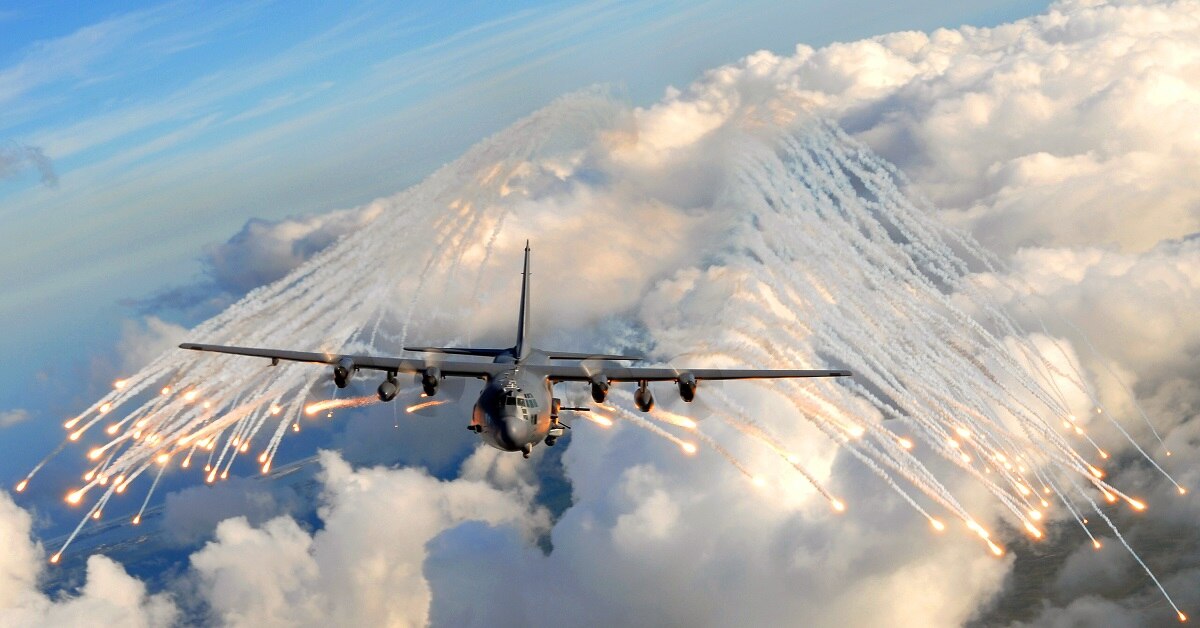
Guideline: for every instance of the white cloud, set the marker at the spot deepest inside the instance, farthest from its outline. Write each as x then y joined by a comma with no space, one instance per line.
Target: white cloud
1087,109
14,157
364,567
142,341
9,418
109,596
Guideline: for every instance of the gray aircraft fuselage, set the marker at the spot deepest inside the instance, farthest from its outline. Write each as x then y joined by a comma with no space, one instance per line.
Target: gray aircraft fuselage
513,412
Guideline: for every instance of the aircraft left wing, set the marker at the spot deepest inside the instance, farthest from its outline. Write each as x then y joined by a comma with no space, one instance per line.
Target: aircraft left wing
614,373
377,363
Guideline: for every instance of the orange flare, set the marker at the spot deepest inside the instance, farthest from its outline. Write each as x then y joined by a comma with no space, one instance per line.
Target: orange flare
838,505
21,485
905,443
1036,533
137,519
688,448
96,515
54,558
1137,505
1182,617
266,466
423,405
166,390
1096,543
74,497
598,419
120,383
937,525
105,408
995,549
75,435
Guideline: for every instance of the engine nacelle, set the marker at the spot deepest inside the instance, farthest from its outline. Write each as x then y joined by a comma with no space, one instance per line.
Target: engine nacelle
388,389
342,371
643,398
430,380
600,387
687,387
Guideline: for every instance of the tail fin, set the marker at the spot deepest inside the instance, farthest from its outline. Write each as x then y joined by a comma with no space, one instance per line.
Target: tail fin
523,321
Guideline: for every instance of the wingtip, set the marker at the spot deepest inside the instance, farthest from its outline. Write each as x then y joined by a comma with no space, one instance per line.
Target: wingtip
190,345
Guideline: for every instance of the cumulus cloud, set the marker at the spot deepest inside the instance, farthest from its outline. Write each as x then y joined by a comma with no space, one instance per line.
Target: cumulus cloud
15,157
262,252
143,340
9,418
1074,127
364,567
109,596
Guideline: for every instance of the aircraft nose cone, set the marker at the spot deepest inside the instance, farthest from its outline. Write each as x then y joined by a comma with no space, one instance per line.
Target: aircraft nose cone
514,431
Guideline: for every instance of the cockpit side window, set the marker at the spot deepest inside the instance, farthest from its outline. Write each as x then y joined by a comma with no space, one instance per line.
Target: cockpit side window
510,401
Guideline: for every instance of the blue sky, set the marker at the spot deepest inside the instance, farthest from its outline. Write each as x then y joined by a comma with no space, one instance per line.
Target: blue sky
169,125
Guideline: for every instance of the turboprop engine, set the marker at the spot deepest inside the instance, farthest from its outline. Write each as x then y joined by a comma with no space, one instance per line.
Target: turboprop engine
342,371
388,389
430,379
643,398
600,387
687,387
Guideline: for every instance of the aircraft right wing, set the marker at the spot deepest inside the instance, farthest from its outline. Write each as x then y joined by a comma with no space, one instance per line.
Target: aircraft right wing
377,363
614,373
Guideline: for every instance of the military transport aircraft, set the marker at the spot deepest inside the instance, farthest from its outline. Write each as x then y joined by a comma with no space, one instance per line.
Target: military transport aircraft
517,408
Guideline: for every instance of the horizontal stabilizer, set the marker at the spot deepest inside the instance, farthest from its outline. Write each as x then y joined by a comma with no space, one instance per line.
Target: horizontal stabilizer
488,353
563,355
